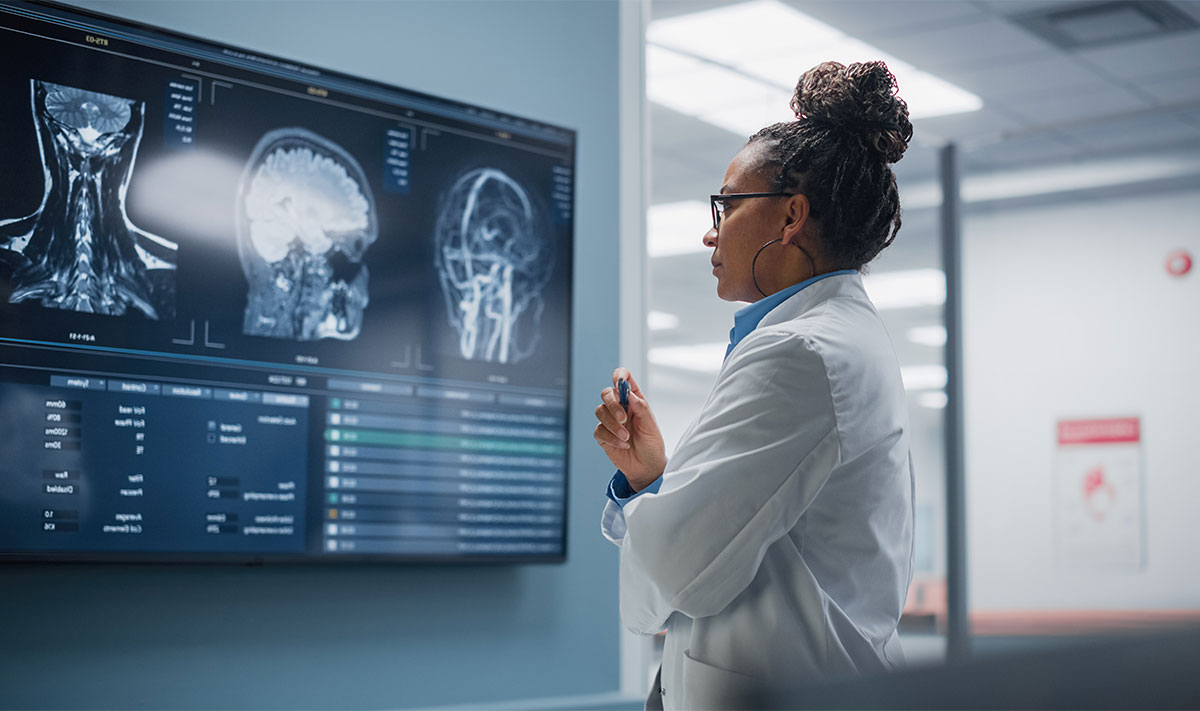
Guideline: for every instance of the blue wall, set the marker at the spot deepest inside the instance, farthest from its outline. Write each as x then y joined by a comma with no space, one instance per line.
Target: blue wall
370,637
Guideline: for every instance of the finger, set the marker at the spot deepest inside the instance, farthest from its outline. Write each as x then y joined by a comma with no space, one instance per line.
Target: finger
609,422
607,439
613,402
639,408
623,373
643,417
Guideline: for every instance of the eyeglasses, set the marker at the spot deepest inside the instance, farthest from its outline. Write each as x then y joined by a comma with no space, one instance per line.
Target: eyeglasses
718,203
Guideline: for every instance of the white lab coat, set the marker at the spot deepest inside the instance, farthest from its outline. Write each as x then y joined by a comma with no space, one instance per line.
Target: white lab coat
778,550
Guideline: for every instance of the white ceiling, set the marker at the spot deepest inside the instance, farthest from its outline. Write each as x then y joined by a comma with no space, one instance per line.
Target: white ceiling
1065,104
1043,105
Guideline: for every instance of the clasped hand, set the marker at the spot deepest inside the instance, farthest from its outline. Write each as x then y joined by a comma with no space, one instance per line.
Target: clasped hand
632,440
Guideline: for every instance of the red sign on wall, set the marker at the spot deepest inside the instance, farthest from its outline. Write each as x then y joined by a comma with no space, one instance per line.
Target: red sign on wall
1099,494
1110,431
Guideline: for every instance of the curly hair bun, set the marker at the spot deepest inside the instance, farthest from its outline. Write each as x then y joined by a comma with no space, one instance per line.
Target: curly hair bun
861,99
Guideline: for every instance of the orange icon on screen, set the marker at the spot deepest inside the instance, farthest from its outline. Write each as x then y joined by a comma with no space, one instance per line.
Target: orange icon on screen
333,513
1098,494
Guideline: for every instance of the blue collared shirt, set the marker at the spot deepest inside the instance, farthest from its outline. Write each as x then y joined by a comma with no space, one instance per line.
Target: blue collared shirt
622,493
744,321
748,318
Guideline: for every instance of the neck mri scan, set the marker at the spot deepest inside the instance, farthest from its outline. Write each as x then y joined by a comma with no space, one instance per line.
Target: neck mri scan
79,251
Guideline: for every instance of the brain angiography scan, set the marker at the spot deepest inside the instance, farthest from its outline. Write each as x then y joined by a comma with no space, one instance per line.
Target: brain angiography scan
493,258
79,251
306,217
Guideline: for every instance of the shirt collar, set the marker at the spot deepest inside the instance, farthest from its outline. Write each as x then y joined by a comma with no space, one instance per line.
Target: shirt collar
748,318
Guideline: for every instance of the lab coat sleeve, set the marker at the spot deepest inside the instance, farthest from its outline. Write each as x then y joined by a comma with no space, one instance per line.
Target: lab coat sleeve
764,444
612,522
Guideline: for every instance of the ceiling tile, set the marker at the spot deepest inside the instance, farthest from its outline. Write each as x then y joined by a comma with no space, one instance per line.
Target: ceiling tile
1070,106
674,180
979,43
920,162
1019,152
1021,7
1046,75
688,178
1144,58
871,20
1175,88
958,127
678,132
1136,132
662,9
917,245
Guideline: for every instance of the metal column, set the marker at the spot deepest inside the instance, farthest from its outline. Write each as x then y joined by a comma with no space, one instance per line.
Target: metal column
957,624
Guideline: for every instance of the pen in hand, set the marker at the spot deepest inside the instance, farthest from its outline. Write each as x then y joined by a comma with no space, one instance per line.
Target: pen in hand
630,436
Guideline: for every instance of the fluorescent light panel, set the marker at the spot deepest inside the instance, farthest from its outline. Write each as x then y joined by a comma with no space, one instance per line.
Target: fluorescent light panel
906,289
923,377
720,96
661,321
933,336
697,357
933,399
677,228
737,66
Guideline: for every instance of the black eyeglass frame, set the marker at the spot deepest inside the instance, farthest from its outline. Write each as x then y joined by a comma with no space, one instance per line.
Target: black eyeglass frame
718,213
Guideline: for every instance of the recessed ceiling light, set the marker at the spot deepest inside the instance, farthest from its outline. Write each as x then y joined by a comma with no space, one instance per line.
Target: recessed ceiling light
928,335
661,321
923,377
933,399
688,84
674,228
906,289
1105,23
698,357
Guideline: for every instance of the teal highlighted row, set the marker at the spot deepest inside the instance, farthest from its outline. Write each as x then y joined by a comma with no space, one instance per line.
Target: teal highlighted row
432,441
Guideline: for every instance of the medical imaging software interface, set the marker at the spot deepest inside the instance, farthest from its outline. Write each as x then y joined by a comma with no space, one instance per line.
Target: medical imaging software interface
254,310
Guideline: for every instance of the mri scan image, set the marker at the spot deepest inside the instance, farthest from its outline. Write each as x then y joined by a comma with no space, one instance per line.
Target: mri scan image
493,257
79,250
306,217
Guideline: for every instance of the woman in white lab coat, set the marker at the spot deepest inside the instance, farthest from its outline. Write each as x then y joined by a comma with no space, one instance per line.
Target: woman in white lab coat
775,546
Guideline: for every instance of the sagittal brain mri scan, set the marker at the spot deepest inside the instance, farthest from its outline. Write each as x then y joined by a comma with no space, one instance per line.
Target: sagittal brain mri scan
493,259
306,217
79,251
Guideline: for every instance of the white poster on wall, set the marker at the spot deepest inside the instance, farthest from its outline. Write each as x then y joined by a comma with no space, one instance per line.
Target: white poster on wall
1099,494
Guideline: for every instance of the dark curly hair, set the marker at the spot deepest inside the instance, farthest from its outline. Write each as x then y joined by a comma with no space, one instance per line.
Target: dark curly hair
850,126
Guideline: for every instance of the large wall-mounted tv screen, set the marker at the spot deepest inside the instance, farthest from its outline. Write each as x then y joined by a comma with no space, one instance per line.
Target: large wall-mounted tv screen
252,310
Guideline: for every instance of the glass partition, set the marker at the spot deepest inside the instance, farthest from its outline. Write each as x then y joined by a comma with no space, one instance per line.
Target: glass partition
1080,390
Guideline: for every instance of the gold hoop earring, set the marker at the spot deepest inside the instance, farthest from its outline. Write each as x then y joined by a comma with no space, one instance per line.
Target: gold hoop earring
812,270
